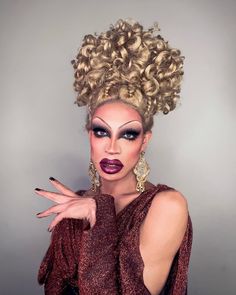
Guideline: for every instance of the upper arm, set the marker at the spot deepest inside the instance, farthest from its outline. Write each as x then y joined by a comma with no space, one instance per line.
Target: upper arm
161,235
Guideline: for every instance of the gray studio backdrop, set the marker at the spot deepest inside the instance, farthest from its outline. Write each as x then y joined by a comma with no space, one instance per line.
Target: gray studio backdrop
192,149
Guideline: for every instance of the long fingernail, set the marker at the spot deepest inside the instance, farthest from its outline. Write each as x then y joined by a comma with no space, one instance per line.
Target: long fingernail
37,189
52,178
49,229
38,213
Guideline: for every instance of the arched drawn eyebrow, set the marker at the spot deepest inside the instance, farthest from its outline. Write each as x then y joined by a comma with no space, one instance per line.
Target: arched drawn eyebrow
121,125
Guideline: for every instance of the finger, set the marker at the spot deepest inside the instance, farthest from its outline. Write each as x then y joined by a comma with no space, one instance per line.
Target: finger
52,210
93,219
58,198
56,220
62,188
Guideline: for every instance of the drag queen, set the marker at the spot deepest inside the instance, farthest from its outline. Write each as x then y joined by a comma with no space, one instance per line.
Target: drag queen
123,235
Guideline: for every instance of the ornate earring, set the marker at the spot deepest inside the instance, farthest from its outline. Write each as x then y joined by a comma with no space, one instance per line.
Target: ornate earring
141,171
93,176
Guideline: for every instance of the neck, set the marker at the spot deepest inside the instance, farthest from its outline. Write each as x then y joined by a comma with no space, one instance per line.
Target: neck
123,186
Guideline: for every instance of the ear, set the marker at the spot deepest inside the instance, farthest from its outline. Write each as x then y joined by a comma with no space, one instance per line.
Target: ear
146,138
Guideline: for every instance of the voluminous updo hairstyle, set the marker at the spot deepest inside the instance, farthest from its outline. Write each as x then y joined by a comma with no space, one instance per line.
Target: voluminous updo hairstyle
130,64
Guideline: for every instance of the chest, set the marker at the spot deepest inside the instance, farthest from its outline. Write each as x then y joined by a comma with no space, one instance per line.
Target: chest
121,203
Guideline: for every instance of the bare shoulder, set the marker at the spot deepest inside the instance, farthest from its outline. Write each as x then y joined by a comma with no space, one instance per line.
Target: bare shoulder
168,210
169,207
171,200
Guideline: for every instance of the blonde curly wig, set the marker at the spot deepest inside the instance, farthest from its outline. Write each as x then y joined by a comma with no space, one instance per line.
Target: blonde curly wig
130,64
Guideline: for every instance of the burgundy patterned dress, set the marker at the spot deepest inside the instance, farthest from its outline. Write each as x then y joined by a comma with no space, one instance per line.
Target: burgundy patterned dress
106,259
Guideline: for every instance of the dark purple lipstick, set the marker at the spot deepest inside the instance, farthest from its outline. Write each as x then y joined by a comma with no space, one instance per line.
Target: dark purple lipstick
111,166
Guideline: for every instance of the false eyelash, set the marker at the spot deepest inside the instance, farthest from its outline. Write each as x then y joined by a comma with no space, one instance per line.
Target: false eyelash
129,131
97,128
132,132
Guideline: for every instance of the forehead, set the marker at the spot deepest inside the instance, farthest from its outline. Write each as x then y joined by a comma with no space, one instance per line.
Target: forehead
117,112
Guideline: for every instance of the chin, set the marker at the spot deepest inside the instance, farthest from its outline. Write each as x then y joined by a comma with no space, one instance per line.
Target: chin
111,177
114,177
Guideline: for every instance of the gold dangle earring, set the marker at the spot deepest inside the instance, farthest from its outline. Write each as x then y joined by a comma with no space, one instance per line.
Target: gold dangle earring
141,171
93,176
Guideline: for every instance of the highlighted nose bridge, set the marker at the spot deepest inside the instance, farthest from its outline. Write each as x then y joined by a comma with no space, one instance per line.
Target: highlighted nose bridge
113,145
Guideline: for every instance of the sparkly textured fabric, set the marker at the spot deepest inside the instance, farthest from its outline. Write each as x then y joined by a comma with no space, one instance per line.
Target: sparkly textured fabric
106,259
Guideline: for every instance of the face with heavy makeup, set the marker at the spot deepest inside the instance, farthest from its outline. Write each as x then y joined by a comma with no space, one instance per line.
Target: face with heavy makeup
116,140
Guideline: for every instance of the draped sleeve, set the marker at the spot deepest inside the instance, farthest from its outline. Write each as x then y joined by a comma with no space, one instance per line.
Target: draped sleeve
82,260
58,269
97,270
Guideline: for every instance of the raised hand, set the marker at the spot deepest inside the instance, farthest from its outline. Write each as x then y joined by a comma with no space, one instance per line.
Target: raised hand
70,205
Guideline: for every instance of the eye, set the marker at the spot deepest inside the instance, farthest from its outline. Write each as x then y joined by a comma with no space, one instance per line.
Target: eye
130,134
100,132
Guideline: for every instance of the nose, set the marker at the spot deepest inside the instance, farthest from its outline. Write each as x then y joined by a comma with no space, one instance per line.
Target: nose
113,147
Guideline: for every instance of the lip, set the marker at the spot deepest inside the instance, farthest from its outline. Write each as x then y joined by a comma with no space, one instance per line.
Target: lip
111,166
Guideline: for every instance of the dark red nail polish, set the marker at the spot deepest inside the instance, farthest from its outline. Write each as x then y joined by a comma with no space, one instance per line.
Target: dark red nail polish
38,189
52,178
